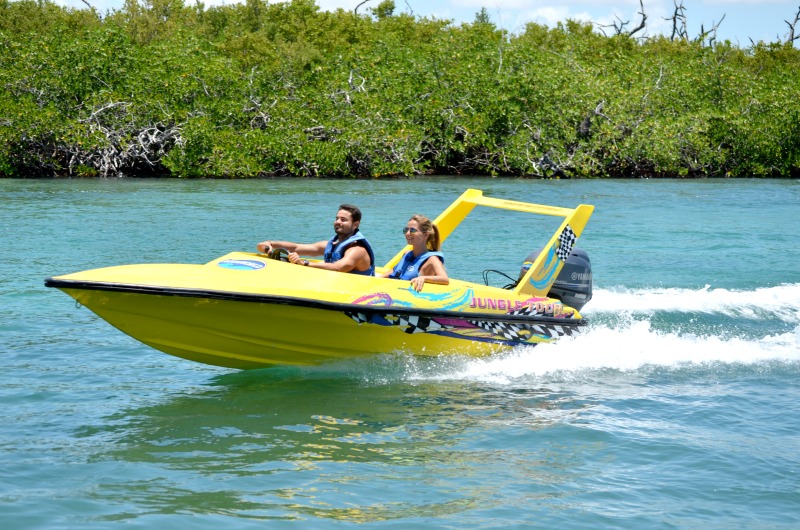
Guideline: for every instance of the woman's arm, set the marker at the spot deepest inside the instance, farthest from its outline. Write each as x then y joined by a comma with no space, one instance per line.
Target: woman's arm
432,271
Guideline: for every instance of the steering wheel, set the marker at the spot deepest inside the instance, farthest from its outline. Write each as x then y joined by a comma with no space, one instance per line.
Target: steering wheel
280,254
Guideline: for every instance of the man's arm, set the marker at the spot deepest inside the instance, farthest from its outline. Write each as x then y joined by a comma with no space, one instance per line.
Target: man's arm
306,249
355,257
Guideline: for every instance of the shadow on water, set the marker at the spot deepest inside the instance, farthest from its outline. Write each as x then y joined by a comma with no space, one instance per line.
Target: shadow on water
341,443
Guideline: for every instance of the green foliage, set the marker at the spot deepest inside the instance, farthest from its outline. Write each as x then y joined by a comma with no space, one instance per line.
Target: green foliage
482,17
384,10
262,89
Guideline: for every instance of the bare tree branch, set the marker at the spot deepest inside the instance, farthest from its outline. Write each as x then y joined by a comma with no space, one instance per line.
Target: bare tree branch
678,19
643,22
710,34
353,86
620,28
792,36
129,146
355,11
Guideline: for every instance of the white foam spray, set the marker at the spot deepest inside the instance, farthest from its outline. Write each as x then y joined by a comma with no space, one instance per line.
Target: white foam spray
781,302
631,342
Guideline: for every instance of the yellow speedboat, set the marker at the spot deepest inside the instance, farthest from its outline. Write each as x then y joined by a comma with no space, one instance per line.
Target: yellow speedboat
245,310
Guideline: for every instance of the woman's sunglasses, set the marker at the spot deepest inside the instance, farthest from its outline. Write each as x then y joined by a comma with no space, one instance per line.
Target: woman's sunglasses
407,229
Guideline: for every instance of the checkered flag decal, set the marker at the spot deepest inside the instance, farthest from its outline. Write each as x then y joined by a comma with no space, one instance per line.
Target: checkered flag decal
511,332
521,331
417,324
553,331
506,332
408,323
526,310
565,242
361,318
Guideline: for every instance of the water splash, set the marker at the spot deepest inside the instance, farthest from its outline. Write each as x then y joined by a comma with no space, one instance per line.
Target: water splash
635,330
621,350
782,302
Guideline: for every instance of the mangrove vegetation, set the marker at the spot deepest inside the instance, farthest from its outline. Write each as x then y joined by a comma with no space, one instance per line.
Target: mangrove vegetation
163,88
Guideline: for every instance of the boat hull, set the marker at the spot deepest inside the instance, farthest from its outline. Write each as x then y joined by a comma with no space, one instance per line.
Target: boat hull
256,332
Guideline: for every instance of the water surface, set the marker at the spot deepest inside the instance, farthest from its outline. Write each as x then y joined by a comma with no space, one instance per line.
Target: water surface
677,407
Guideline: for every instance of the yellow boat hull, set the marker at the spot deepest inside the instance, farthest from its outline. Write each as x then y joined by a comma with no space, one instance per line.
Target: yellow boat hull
245,335
261,312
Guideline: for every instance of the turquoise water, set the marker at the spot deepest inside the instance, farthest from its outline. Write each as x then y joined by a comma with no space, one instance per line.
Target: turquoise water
677,408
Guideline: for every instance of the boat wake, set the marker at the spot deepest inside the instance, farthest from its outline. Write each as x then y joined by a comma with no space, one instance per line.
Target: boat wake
648,329
781,302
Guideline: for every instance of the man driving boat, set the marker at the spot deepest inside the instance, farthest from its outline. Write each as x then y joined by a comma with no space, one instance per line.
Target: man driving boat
347,251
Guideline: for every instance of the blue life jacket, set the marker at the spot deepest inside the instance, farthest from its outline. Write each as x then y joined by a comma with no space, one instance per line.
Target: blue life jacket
409,267
335,252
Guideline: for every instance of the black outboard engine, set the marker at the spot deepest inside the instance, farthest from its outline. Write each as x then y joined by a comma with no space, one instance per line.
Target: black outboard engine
573,286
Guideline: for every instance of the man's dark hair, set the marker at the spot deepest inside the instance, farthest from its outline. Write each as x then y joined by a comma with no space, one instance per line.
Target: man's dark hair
354,211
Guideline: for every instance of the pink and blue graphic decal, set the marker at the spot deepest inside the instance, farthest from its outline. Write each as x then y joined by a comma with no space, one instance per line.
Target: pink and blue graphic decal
522,327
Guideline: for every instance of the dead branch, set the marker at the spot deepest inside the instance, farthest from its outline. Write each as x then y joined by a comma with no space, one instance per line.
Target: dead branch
585,127
619,28
261,116
657,85
353,86
792,36
710,34
127,147
355,11
678,19
203,83
642,23
321,133
94,116
545,164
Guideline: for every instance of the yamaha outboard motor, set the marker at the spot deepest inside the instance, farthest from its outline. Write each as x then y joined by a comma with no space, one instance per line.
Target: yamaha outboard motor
574,283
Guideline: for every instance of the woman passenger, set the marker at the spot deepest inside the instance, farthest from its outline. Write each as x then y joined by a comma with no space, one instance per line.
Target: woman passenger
424,263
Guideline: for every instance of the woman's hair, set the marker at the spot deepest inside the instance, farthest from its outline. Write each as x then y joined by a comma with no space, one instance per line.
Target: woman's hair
427,226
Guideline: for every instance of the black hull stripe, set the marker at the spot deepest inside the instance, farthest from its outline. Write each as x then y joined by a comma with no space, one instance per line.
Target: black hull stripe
303,302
